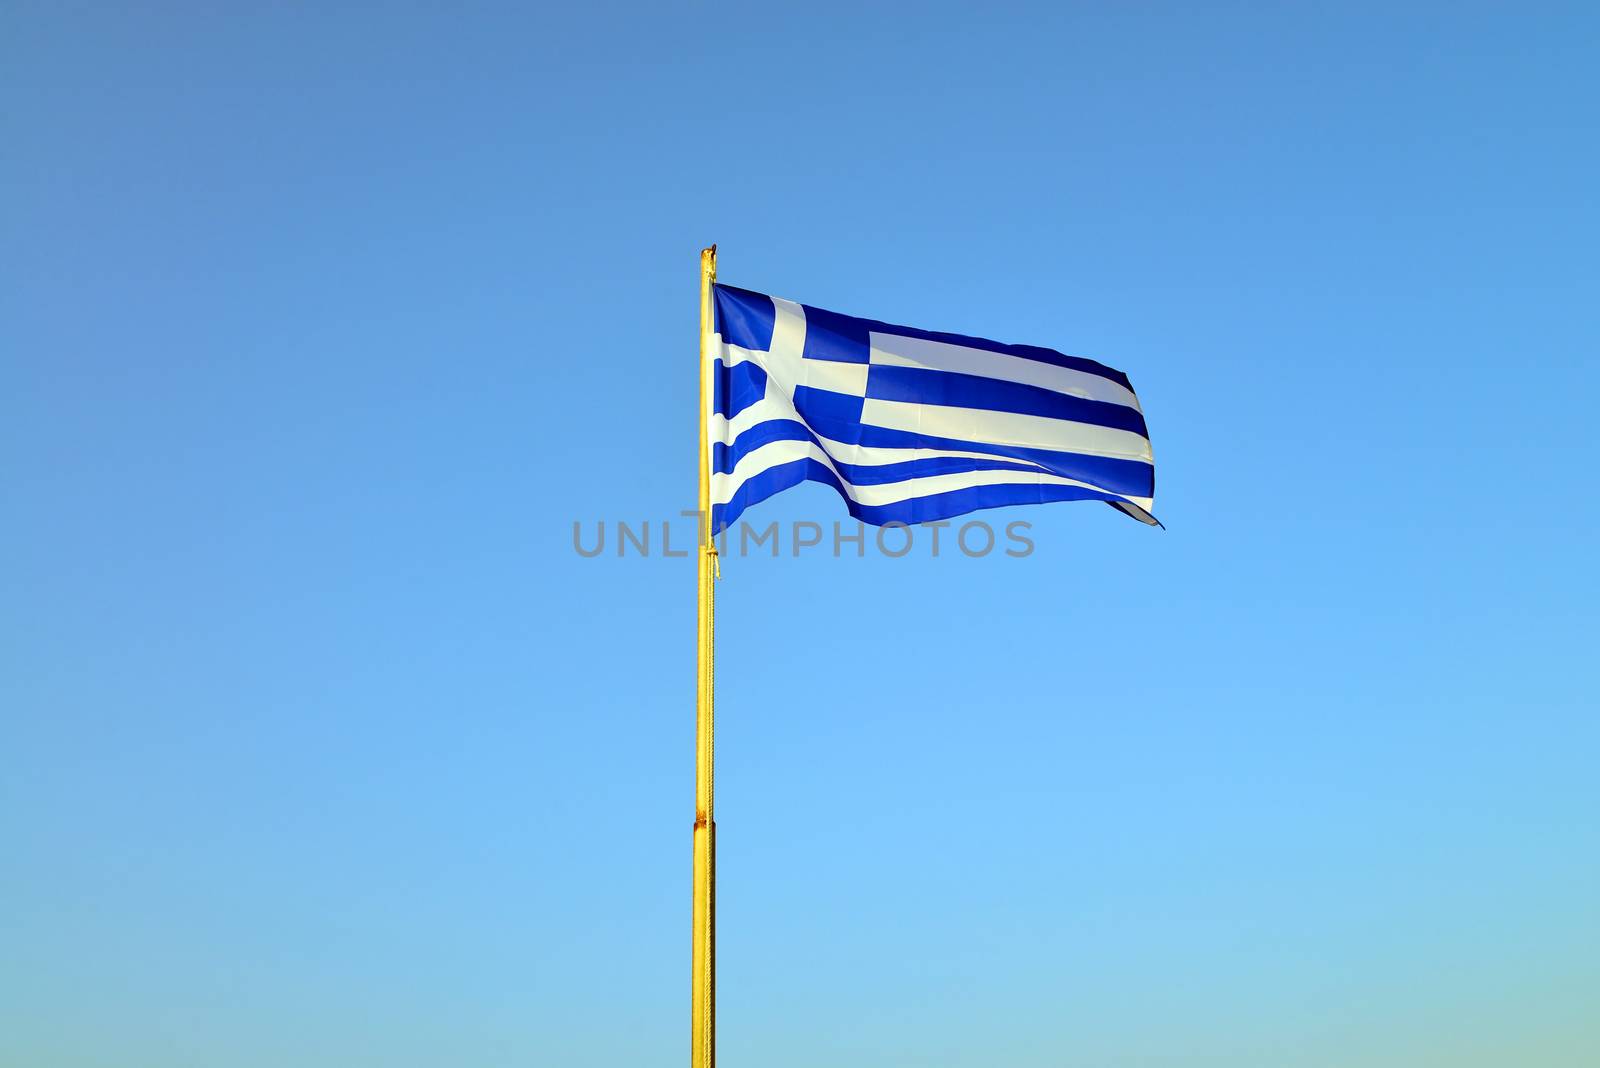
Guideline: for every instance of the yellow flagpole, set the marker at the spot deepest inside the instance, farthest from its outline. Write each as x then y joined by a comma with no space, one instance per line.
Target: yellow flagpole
703,1044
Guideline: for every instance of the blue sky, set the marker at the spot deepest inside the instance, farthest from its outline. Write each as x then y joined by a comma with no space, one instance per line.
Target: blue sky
319,745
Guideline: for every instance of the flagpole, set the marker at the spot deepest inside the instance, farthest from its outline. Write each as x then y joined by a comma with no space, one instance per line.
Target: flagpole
703,1043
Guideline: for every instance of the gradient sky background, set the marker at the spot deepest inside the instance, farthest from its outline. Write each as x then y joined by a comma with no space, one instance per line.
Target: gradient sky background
319,746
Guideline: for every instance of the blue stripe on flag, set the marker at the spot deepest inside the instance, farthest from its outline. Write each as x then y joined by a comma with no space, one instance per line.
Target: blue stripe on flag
915,510
884,474
724,456
921,385
1131,478
736,388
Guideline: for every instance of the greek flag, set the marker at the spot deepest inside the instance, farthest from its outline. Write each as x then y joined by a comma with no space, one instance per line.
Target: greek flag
909,425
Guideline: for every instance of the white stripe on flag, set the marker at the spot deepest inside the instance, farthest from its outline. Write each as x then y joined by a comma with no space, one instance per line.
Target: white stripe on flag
880,455
769,408
1006,428
895,350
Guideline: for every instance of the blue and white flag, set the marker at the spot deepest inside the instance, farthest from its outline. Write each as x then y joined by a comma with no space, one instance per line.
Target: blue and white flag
909,425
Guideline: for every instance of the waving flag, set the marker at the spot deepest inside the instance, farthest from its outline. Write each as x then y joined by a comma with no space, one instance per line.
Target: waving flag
908,426
911,425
